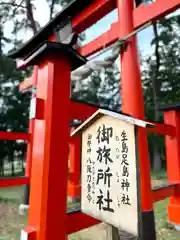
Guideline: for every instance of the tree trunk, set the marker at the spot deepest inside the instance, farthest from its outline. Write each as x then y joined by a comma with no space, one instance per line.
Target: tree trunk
11,158
30,16
157,162
52,9
12,166
1,168
22,164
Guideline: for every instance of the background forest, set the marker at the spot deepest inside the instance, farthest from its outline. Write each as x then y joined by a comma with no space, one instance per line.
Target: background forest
159,70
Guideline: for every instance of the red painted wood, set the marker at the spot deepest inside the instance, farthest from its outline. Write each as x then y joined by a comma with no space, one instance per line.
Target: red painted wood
92,14
173,164
173,147
99,43
49,168
162,129
78,221
163,193
75,167
81,111
152,12
142,15
132,97
14,136
49,172
31,128
12,182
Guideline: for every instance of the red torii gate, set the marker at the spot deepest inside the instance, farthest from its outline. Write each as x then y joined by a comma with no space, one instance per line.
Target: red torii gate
49,129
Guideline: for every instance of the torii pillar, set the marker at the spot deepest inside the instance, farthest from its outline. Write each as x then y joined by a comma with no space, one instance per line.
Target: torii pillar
49,173
133,104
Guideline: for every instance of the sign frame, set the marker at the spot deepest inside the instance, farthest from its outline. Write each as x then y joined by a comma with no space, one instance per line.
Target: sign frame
137,173
136,123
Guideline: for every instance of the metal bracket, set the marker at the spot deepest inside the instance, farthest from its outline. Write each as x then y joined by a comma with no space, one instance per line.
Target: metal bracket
64,33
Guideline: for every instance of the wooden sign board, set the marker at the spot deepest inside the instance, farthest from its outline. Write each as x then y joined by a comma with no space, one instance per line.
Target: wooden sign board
109,171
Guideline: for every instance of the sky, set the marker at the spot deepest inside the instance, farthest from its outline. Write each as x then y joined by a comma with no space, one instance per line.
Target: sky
144,38
42,16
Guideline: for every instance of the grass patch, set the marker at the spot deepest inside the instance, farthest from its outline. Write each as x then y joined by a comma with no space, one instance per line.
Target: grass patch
165,230
11,194
10,222
159,174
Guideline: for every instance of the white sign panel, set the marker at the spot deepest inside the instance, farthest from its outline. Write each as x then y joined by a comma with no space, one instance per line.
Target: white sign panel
32,112
109,173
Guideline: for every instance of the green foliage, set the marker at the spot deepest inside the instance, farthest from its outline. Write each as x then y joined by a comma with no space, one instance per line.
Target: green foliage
167,82
161,80
19,14
102,88
13,110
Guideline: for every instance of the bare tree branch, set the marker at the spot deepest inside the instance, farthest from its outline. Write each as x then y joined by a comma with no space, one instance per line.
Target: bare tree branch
13,4
19,5
30,16
15,7
52,8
